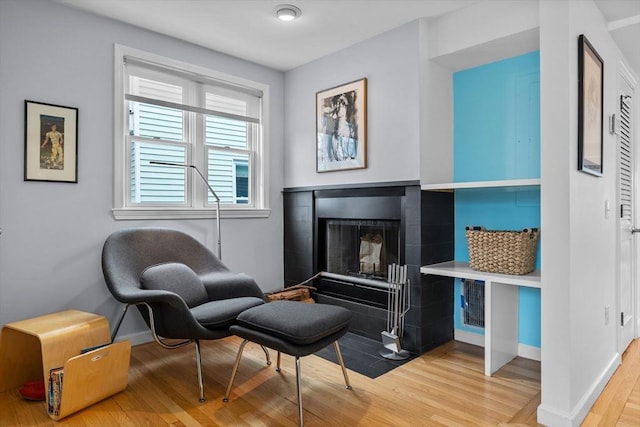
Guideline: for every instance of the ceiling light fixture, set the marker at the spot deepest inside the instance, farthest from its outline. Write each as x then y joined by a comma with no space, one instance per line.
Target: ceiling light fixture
287,12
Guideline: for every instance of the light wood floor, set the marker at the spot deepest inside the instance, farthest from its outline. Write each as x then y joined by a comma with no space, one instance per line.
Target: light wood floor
444,387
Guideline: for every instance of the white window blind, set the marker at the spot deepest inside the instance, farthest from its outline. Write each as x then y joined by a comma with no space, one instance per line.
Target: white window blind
164,126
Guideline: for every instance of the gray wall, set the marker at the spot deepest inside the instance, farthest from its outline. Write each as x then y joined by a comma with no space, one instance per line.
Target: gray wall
53,232
391,64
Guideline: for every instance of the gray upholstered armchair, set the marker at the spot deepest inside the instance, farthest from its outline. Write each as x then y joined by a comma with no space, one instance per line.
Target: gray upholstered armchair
182,290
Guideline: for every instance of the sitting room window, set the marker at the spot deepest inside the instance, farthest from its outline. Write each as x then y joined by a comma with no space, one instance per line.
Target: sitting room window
171,112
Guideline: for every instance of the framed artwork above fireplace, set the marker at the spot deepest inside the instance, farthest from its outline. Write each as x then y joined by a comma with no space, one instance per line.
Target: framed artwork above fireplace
341,127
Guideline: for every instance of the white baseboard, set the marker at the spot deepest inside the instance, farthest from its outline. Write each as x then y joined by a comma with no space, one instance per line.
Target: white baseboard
549,416
553,417
529,352
468,337
526,351
137,338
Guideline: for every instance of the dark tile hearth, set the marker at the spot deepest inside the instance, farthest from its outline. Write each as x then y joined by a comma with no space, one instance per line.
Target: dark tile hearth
362,355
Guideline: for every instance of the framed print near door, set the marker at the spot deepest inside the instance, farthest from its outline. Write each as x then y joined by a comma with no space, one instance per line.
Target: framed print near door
51,143
590,111
341,127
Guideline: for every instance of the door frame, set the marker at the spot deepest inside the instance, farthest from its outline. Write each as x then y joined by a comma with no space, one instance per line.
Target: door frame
625,75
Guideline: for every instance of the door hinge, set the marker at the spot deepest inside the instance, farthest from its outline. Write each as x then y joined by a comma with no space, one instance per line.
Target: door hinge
622,318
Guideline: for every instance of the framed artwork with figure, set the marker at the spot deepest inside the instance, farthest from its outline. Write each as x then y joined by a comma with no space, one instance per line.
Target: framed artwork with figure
51,143
341,127
590,111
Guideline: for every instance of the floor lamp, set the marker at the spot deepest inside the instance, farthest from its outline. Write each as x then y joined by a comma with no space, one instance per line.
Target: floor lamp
181,165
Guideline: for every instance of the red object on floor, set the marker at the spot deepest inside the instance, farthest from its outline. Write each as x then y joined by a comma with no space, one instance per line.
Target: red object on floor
33,390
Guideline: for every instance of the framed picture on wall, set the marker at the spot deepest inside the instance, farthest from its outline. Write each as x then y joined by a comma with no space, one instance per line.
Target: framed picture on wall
341,127
590,111
51,143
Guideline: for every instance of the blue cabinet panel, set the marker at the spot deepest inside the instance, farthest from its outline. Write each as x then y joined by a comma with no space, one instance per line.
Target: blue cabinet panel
496,121
497,137
529,316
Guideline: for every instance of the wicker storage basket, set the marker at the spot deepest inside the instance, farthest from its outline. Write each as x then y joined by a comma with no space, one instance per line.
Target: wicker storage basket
507,252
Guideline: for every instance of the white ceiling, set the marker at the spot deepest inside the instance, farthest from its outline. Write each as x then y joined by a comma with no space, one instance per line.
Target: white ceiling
248,29
623,17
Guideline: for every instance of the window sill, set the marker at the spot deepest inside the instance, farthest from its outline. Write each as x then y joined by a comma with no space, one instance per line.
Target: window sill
184,213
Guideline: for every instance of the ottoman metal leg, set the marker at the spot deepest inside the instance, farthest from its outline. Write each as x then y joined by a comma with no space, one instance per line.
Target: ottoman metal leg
266,353
299,387
344,370
237,363
299,376
235,369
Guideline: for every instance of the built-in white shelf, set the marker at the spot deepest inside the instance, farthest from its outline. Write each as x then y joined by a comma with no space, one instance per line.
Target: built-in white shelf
500,308
501,290
462,270
507,183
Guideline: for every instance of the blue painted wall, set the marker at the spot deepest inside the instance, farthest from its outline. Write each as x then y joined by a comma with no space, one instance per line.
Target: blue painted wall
497,136
497,120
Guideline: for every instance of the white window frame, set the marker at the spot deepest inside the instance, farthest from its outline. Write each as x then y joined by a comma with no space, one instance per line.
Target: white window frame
122,210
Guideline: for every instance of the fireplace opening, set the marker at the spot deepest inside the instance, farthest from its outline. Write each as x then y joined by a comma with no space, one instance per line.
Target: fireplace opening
361,248
358,235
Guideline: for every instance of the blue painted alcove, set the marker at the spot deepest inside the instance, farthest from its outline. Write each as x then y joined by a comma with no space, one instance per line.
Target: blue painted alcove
497,137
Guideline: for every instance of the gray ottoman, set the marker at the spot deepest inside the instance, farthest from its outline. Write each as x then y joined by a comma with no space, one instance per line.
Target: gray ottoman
293,328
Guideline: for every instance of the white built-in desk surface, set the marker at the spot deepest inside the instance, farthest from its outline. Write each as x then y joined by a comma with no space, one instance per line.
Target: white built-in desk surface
500,308
463,271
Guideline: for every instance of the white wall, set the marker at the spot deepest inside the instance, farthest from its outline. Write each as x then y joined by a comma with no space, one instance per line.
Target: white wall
436,119
52,232
391,63
579,351
480,34
555,213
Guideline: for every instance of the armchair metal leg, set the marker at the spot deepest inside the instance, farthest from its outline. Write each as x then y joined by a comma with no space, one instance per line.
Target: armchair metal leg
299,387
278,362
118,323
235,369
199,365
344,370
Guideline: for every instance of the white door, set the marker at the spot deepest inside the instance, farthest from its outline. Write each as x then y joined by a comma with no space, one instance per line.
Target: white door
627,175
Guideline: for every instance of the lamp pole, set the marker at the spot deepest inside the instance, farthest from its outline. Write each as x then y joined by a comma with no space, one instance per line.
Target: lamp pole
215,195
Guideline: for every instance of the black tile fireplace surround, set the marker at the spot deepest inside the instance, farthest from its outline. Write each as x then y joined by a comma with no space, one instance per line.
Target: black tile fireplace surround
424,236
